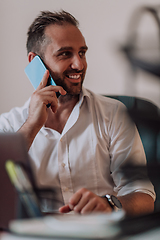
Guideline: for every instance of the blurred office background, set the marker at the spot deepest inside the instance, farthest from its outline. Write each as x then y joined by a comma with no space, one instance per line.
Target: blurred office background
105,25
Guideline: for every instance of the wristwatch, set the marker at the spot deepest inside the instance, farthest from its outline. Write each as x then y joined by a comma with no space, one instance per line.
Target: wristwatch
113,202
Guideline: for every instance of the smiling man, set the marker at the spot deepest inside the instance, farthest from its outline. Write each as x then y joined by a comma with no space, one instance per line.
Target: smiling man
80,142
65,56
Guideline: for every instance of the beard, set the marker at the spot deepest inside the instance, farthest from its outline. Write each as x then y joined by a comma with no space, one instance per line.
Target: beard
71,88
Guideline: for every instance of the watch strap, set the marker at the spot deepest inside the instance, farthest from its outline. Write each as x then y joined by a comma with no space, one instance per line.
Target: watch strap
113,201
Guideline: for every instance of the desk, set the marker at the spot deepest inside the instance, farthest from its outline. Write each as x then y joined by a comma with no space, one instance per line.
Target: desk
8,236
149,235
113,226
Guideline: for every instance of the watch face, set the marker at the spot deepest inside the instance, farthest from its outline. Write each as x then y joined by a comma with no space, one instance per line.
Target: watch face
116,202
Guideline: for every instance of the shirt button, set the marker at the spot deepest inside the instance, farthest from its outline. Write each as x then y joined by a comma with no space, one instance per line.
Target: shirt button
61,139
63,164
66,189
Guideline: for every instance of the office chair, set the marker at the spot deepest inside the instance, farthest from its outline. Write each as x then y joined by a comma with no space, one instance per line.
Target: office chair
144,113
146,116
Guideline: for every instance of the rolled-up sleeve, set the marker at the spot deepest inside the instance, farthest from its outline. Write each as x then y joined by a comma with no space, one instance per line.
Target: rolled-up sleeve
126,149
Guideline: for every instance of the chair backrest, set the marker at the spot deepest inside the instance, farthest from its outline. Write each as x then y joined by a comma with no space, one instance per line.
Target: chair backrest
146,116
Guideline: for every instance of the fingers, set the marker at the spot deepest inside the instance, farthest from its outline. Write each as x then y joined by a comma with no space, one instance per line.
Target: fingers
80,199
85,201
44,81
65,209
47,94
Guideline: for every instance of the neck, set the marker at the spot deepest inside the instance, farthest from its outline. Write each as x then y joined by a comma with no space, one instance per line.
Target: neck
68,98
58,120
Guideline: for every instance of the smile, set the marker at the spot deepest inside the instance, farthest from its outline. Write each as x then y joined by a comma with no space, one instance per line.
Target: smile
74,76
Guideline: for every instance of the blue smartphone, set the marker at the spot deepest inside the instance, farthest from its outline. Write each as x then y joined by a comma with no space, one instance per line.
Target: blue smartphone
35,71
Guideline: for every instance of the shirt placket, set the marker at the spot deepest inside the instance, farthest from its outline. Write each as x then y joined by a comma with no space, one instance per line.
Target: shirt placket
63,156
64,170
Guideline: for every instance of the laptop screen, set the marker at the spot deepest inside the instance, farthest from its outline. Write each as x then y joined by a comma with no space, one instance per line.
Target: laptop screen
12,146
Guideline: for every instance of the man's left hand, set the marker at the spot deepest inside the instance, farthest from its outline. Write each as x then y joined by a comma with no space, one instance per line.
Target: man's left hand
85,201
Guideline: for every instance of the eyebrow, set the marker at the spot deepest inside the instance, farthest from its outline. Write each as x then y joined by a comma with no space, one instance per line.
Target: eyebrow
70,48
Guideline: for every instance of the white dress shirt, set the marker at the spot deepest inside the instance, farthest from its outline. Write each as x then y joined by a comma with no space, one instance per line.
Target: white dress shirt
97,139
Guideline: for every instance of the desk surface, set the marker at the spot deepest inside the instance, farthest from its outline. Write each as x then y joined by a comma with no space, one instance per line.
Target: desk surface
152,234
8,236
93,227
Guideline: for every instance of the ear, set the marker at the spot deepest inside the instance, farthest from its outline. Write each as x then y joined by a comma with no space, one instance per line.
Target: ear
31,55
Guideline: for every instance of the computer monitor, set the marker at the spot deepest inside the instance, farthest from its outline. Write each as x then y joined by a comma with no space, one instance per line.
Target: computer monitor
12,146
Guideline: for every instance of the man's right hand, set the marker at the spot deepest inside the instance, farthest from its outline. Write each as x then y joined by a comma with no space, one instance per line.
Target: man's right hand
38,111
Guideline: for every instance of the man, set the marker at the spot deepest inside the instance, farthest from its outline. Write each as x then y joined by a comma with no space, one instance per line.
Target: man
80,142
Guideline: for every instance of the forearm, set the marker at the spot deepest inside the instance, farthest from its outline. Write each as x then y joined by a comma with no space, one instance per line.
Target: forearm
137,203
29,132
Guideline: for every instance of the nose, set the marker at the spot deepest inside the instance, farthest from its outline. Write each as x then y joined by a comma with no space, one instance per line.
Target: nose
77,63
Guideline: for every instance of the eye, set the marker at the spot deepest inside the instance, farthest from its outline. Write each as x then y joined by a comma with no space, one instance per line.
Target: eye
82,53
65,54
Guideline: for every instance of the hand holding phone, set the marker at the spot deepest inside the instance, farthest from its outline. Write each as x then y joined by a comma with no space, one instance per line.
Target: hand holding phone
35,71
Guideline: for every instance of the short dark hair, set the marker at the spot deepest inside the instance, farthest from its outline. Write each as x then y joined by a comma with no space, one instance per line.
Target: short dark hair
36,39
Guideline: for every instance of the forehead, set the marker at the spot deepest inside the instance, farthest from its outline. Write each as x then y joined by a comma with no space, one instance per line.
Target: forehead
65,35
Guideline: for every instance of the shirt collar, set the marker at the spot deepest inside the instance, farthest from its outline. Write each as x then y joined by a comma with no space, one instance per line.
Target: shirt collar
85,94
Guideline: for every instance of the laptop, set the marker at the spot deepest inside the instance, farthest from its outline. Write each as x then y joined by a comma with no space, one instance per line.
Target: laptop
13,147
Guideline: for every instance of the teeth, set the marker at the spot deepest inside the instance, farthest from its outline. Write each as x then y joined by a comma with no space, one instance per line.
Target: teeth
74,76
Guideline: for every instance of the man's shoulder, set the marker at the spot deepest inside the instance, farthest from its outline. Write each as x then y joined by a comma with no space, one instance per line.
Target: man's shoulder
12,120
103,100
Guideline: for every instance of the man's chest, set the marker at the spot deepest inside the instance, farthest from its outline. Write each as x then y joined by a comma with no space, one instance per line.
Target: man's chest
78,154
